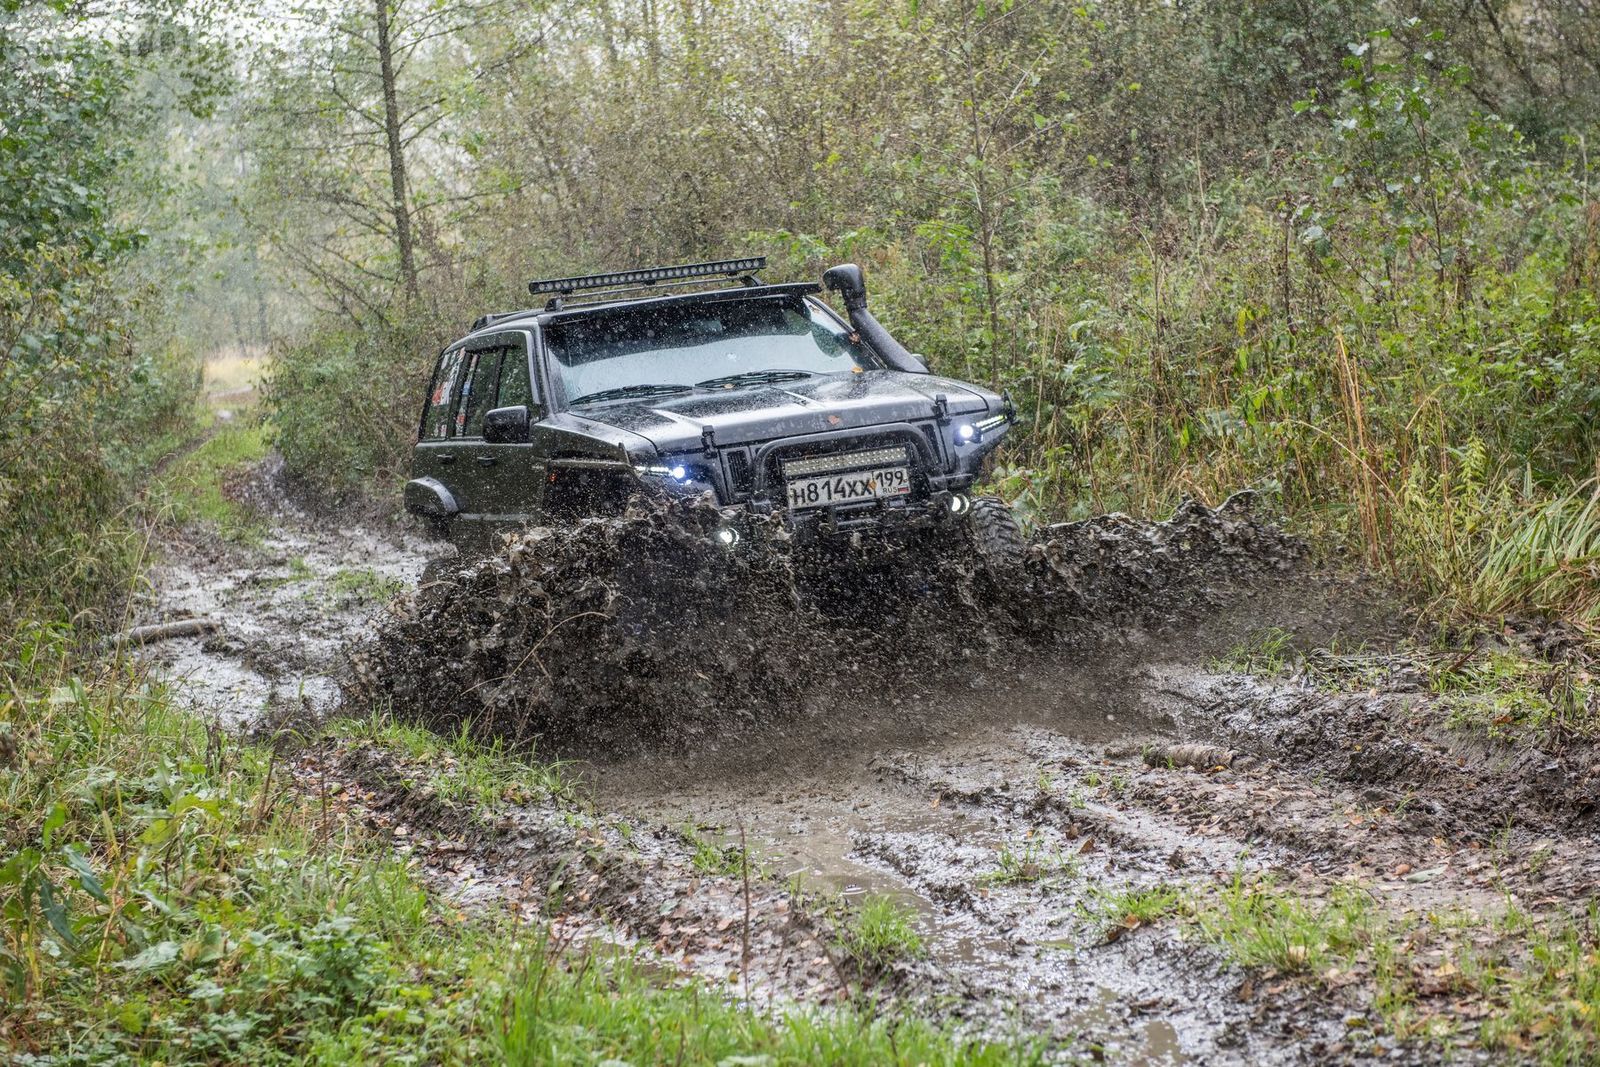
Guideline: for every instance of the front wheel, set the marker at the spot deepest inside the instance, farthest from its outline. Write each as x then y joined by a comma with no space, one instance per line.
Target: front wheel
996,536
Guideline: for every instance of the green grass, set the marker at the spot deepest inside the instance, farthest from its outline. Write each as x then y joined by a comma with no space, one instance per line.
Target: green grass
709,856
1503,694
1027,863
878,930
1517,982
1136,905
1267,652
190,491
608,1009
364,585
461,768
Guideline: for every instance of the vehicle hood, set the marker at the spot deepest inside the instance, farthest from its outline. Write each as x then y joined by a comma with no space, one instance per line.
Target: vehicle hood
763,412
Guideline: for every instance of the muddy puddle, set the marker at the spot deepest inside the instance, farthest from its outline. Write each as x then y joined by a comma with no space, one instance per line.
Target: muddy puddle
1010,769
283,606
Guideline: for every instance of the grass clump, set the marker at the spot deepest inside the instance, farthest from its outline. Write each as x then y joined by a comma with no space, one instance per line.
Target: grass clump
1260,926
608,1009
879,930
1267,652
1137,906
709,856
1505,695
364,585
1031,862
460,767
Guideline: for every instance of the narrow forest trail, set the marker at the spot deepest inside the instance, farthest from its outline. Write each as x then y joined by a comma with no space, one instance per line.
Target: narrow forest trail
1070,874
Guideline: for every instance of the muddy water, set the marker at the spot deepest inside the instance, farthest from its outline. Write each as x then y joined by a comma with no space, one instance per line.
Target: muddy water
285,609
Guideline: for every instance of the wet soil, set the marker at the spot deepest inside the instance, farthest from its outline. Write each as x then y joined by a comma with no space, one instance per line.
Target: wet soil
998,759
286,605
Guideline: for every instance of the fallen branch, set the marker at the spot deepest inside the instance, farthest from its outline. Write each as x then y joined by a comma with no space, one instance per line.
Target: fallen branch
162,631
1200,757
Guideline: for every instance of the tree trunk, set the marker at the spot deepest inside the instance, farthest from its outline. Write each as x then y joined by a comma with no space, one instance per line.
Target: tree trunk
397,159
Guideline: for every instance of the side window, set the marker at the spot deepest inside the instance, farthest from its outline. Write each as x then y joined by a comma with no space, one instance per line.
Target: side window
436,420
478,397
514,386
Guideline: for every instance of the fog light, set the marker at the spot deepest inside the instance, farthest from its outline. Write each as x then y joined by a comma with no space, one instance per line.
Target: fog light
678,472
966,433
959,504
727,535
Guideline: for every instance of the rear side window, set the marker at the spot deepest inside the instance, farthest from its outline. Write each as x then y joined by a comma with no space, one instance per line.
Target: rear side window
436,417
478,397
514,386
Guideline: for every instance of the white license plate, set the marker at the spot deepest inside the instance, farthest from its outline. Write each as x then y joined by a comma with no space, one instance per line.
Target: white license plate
850,488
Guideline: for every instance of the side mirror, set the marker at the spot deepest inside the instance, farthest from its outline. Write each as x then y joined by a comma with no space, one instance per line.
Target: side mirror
506,426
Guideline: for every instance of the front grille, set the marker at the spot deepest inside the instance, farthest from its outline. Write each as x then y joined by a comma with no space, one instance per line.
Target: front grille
740,478
874,457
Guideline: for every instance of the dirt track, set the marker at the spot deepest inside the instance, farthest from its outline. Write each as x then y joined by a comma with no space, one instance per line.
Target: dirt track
1008,800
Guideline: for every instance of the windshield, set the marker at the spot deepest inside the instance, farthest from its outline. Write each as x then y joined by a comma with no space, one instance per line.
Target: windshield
712,344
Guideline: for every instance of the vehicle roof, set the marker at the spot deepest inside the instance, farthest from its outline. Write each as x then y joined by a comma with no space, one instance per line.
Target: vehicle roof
543,316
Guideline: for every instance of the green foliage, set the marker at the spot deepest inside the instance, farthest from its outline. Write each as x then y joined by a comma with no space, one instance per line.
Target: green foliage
344,403
878,930
607,1008
364,585
461,767
1137,905
1262,927
162,897
1030,862
73,386
1266,652
1505,695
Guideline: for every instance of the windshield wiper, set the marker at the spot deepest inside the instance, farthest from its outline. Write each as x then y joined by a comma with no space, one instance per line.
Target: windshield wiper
754,377
620,391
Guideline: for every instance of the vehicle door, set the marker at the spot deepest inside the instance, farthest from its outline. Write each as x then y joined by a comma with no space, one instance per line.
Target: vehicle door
438,452
516,469
506,478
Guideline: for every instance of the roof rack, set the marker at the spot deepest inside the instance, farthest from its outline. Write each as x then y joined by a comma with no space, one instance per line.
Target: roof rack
742,269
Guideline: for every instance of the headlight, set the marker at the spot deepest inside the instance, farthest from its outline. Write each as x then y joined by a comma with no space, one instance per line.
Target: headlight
966,433
676,471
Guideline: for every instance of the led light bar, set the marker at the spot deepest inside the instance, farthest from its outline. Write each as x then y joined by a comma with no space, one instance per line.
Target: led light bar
876,457
731,268
997,420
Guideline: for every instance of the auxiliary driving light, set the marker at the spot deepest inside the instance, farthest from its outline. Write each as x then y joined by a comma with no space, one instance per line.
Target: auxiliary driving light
678,472
727,535
966,433
959,504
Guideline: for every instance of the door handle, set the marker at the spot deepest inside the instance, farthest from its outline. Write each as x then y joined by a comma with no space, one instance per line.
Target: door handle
487,461
446,460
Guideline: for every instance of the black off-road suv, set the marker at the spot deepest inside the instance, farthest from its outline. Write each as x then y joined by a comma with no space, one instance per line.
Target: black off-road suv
758,394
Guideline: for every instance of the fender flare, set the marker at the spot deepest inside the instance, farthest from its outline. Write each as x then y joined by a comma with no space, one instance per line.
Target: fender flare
429,498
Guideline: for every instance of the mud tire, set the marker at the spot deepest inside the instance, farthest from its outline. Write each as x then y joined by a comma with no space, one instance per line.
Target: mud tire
995,536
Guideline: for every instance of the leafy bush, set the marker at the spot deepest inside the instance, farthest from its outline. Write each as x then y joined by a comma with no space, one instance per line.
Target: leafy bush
344,401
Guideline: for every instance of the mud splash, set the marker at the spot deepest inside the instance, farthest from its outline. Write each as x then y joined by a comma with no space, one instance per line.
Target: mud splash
644,623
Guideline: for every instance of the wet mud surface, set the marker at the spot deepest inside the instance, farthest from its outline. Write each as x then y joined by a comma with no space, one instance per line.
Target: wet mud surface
286,605
1006,762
